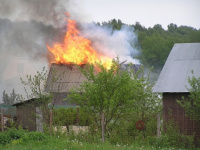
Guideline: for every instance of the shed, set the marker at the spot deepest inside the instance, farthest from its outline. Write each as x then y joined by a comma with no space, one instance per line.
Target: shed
30,115
173,84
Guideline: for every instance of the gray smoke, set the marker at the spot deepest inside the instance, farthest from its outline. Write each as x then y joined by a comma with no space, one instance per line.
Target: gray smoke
27,26
49,12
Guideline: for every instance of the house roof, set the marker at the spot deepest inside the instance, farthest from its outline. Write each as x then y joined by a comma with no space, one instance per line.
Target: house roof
67,76
182,59
35,101
24,102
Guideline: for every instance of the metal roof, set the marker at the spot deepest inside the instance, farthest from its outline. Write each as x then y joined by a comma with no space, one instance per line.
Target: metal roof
183,59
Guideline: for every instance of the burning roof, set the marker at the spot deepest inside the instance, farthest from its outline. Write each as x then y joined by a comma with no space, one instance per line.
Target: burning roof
76,49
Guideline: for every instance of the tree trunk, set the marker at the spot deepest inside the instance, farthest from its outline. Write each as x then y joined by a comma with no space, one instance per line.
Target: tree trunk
103,127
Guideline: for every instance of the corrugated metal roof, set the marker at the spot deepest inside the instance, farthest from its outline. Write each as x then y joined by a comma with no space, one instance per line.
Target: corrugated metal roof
182,59
68,76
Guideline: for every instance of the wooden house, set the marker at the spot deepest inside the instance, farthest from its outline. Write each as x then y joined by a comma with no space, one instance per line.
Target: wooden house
60,80
173,84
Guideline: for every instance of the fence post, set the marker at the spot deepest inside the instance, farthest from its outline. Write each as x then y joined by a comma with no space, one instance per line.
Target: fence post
158,125
103,127
51,118
2,119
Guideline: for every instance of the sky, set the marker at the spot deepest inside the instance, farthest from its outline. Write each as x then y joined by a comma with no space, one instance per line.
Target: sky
147,12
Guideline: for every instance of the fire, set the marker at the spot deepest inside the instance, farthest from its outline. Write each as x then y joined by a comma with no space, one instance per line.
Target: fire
76,49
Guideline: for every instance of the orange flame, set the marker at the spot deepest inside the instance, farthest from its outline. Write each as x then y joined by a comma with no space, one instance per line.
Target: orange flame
76,49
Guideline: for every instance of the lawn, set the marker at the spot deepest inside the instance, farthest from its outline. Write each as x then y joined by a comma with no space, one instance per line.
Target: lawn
57,143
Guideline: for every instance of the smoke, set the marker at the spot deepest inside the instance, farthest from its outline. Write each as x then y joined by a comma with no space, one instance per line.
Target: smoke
113,43
49,12
27,26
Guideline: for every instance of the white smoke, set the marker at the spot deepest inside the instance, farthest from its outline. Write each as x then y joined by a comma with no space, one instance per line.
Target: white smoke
113,43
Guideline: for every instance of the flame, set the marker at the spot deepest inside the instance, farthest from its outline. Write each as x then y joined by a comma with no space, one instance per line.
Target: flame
76,49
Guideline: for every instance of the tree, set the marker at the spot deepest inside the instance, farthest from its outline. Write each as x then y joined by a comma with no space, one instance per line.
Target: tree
192,103
155,49
35,85
110,92
10,100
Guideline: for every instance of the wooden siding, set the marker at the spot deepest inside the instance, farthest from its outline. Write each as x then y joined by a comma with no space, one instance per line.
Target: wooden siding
58,99
26,118
172,110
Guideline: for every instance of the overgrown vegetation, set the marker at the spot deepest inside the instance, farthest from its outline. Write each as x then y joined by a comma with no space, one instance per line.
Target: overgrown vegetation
70,116
19,139
17,136
192,104
117,94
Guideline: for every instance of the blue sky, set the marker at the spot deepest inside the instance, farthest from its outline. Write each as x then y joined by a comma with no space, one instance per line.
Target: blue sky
147,12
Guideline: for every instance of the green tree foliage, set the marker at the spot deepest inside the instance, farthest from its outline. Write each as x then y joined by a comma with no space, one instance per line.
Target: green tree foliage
114,24
146,107
10,100
113,92
192,103
35,85
70,116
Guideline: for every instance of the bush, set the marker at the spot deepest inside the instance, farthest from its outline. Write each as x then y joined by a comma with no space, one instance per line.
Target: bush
172,138
34,136
13,135
68,116
4,139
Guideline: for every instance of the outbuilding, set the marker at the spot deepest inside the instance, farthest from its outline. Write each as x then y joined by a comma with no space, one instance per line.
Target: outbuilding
173,84
30,115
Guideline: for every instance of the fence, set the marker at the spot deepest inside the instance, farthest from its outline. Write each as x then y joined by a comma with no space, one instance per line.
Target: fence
128,127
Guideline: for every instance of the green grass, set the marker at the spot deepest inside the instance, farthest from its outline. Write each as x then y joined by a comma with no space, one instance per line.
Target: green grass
23,140
57,143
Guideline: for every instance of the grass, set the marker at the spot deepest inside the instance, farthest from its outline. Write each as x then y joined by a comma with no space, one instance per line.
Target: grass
20,139
61,143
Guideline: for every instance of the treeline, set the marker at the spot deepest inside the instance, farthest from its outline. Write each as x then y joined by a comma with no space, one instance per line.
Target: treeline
156,43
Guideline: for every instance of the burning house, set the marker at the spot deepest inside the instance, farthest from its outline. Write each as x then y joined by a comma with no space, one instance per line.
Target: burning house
75,50
66,77
173,84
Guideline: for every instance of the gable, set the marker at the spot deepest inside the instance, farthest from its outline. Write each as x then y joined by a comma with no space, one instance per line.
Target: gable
182,59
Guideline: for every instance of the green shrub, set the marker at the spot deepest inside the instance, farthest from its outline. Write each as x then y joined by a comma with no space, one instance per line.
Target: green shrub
13,135
34,136
68,116
4,138
172,138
